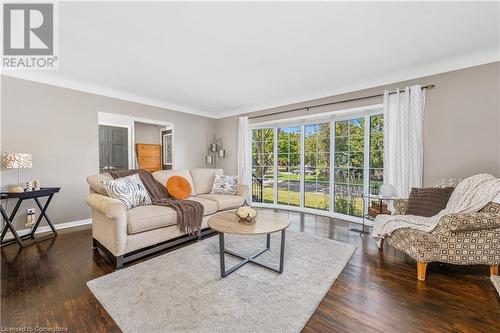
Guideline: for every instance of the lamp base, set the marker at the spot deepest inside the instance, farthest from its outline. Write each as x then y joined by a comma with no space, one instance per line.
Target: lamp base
16,189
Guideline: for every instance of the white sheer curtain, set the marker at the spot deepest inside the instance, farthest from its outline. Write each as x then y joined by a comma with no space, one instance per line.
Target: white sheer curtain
404,139
243,150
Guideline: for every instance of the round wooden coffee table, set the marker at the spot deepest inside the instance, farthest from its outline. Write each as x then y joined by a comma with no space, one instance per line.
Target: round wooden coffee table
267,222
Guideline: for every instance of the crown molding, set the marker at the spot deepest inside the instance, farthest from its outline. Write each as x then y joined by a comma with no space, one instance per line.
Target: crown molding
100,90
457,63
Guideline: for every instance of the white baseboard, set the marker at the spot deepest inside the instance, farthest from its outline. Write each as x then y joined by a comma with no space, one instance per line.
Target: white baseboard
46,228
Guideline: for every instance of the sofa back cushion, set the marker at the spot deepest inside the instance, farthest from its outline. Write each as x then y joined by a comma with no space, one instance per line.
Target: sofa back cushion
162,176
428,201
96,182
203,179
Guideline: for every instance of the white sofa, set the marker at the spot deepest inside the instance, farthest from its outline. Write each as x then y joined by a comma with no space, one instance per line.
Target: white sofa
126,235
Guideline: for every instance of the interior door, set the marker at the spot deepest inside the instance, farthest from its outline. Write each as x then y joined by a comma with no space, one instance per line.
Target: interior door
113,148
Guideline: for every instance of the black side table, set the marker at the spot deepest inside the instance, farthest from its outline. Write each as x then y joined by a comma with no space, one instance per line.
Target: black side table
21,196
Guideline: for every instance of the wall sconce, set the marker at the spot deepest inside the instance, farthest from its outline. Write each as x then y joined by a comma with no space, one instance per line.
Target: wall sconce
215,151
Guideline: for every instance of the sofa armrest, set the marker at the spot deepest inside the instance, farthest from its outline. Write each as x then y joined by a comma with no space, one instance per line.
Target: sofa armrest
400,206
468,222
241,190
112,208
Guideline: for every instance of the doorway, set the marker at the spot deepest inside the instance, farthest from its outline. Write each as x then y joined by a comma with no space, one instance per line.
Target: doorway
166,145
113,148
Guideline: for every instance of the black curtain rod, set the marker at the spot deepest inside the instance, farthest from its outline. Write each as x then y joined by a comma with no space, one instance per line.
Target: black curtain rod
429,86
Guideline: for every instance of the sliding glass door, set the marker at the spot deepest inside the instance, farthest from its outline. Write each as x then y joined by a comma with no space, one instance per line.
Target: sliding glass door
349,166
317,166
289,166
325,166
376,153
263,165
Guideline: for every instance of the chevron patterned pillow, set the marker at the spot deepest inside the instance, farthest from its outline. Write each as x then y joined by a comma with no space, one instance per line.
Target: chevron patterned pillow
224,184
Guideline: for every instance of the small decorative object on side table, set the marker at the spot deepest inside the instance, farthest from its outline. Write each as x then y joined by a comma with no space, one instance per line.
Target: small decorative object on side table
21,196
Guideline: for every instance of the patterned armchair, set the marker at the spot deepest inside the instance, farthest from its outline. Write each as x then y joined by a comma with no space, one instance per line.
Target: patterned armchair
461,239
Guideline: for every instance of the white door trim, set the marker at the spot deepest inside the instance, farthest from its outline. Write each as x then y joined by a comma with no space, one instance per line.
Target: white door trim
166,125
117,120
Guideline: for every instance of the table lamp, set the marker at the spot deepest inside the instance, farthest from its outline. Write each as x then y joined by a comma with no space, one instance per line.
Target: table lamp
19,161
387,190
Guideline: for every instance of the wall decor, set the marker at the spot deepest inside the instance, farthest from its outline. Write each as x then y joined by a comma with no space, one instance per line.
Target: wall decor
215,151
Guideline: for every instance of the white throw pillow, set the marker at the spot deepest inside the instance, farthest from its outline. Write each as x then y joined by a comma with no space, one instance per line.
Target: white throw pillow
224,184
129,190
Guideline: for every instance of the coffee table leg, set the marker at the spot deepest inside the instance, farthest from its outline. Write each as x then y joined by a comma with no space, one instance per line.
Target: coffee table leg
251,258
221,253
282,250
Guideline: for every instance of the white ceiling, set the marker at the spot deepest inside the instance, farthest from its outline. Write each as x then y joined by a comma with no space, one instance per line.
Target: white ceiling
225,58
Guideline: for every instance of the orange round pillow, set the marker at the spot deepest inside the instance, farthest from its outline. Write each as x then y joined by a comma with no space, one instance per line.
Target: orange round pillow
178,187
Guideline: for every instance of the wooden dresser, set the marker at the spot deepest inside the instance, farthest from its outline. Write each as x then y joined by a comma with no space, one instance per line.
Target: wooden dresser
148,156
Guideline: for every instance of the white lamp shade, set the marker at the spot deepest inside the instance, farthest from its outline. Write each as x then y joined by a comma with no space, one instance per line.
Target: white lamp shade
17,160
222,153
387,190
209,159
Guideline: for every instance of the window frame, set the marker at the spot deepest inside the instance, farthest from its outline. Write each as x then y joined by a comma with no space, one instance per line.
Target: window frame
331,118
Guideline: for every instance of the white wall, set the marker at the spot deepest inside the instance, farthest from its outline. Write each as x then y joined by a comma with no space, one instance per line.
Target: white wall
147,133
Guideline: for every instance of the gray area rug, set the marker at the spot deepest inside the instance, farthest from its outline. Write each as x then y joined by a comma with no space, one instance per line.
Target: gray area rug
182,291
496,282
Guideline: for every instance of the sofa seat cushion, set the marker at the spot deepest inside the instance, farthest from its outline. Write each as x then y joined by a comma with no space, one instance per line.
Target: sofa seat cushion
224,201
143,218
209,206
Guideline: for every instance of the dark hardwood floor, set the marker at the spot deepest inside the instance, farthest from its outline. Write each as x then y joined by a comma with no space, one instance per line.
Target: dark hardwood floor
45,286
